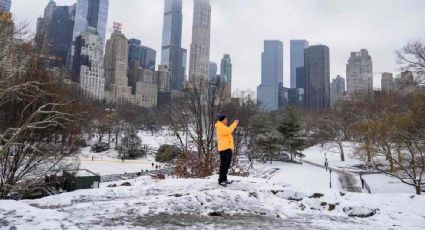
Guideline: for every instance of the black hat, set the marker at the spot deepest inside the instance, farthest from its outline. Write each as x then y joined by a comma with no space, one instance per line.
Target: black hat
221,117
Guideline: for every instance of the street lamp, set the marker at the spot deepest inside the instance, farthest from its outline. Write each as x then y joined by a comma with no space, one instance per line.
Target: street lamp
330,178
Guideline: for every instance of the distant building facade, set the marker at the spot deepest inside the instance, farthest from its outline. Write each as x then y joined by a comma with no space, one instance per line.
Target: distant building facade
116,66
60,34
88,68
296,58
317,78
91,13
5,5
213,71
226,75
200,46
387,82
172,53
271,75
145,55
337,89
163,78
359,73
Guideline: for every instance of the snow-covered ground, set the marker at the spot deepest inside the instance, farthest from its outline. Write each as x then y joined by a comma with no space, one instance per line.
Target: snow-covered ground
317,154
249,203
108,162
303,177
380,183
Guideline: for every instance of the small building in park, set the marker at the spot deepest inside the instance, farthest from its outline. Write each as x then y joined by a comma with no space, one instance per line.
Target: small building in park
80,179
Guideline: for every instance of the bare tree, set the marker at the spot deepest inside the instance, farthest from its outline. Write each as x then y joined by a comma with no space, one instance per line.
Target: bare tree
412,57
36,122
192,123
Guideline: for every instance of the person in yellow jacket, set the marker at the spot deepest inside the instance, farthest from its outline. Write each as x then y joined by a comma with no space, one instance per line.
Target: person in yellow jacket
225,146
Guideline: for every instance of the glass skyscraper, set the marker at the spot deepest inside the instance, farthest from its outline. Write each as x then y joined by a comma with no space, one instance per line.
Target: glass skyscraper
317,77
297,58
5,5
60,35
145,55
213,70
271,75
226,69
172,53
93,13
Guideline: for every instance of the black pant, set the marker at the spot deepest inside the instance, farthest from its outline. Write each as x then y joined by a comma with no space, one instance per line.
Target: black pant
225,161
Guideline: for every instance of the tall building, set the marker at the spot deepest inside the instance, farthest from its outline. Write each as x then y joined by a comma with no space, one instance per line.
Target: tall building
93,13
145,55
213,71
48,11
5,5
116,66
147,58
300,76
44,25
226,75
297,58
359,73
317,77
88,63
163,78
337,89
60,34
172,53
200,46
271,75
405,82
387,82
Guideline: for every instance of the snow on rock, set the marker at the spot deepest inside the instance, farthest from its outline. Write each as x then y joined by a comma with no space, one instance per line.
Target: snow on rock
358,211
156,204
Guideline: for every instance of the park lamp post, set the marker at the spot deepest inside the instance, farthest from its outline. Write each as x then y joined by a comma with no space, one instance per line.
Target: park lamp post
330,178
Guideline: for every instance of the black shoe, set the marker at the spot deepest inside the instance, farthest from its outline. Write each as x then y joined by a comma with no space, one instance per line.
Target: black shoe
228,182
223,184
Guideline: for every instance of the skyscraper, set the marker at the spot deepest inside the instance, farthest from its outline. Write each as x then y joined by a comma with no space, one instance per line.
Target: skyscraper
116,66
147,58
163,78
226,75
337,89
5,5
60,34
145,55
300,76
297,58
93,13
90,13
44,25
88,63
271,75
213,71
172,53
200,46
317,77
359,73
387,82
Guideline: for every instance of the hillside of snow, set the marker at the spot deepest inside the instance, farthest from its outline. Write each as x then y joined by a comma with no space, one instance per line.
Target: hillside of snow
249,203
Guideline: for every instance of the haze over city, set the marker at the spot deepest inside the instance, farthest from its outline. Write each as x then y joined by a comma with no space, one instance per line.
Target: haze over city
239,28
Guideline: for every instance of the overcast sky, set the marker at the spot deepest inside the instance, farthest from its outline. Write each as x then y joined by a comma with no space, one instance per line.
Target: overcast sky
239,28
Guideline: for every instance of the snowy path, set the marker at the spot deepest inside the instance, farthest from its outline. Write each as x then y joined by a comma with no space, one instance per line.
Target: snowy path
347,180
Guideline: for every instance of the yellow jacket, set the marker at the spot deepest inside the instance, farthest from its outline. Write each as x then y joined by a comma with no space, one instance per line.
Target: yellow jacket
224,136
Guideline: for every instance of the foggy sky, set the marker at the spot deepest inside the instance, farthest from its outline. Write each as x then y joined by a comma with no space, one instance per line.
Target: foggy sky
239,28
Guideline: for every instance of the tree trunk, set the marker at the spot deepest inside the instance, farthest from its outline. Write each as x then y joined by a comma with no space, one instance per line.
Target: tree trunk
341,150
418,189
368,152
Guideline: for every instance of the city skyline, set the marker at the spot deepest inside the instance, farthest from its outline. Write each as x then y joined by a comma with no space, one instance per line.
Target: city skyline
318,27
